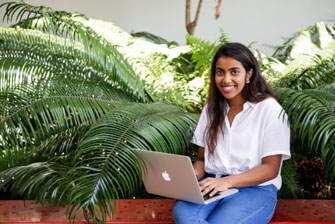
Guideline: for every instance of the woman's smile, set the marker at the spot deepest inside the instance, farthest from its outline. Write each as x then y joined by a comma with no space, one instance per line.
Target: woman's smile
227,88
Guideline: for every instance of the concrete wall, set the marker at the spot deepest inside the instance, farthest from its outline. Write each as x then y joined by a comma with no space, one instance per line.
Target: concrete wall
264,21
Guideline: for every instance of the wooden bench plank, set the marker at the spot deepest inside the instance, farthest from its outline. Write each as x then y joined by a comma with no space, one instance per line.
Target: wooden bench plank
149,211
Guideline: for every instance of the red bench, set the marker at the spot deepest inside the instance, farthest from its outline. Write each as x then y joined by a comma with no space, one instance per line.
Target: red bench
149,211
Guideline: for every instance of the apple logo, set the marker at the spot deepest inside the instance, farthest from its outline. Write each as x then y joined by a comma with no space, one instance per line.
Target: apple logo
166,176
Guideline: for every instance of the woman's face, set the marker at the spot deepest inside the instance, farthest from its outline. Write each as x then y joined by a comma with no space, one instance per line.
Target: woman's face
230,78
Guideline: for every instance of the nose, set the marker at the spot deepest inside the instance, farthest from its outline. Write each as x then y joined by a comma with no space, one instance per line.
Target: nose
226,79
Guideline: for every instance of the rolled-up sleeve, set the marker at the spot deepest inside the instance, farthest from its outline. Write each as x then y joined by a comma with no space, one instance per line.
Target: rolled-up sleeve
276,138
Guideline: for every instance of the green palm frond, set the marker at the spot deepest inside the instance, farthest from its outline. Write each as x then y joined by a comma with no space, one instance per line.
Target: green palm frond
103,164
310,78
50,116
45,118
312,117
65,24
14,99
42,181
28,55
21,9
328,87
106,158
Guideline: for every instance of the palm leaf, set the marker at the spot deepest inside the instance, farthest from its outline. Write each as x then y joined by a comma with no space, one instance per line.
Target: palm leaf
328,88
13,99
104,166
50,116
312,117
73,26
62,23
42,181
320,74
27,56
106,158
42,119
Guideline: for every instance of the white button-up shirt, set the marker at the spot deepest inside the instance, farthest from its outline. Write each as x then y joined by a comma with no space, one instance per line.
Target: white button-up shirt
259,130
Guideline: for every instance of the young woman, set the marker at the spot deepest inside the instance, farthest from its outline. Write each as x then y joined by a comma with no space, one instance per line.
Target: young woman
243,137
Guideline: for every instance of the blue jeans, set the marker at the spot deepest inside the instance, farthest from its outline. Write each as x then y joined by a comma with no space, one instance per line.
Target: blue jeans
251,205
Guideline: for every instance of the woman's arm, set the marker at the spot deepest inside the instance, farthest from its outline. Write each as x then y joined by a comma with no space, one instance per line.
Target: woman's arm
266,171
199,165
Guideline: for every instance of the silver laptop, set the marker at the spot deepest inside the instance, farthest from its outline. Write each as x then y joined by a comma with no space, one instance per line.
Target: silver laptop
173,176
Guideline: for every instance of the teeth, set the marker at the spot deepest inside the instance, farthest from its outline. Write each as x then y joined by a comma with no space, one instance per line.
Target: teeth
228,87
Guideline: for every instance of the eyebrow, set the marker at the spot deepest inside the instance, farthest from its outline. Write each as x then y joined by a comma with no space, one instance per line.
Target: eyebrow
233,68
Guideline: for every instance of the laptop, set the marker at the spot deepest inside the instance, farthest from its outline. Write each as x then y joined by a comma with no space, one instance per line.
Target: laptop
173,176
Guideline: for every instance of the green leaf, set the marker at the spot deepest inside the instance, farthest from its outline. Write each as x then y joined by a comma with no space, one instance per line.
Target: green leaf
111,168
312,117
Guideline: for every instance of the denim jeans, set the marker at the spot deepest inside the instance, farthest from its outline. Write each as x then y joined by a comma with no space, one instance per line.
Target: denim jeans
251,205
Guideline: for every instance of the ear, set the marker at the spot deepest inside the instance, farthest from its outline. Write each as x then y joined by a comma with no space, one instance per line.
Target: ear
250,73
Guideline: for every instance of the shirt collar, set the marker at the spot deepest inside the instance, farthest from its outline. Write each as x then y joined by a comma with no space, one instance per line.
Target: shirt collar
246,105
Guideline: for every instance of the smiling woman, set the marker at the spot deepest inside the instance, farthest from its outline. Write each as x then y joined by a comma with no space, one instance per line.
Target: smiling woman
245,154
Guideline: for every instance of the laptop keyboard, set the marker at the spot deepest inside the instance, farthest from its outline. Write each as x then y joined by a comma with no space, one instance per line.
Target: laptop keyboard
206,196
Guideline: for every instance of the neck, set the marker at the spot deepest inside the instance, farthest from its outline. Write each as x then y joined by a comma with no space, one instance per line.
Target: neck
236,103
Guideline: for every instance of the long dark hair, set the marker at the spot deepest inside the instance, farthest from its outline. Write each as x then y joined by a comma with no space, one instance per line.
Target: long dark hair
255,91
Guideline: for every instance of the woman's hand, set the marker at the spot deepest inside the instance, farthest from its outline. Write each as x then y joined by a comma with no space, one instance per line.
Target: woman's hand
215,185
268,170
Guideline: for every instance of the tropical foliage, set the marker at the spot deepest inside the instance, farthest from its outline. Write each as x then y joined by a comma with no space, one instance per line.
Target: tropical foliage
305,86
72,111
78,94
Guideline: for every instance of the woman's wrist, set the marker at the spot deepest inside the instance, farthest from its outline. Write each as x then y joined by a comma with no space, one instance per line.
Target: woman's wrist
234,180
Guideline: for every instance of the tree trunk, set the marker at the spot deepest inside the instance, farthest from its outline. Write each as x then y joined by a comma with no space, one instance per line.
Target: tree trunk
190,26
217,9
